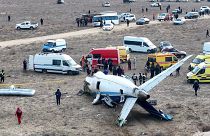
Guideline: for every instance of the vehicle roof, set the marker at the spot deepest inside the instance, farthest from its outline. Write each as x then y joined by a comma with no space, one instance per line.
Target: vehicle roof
58,55
202,56
160,54
103,49
134,37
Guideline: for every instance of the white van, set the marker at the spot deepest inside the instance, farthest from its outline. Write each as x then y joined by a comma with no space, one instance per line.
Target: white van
139,44
53,62
58,45
206,48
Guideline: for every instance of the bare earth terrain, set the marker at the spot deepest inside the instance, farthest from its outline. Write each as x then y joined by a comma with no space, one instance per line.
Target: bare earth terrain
76,115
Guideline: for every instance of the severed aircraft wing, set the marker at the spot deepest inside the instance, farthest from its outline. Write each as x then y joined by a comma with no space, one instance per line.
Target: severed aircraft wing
147,86
128,105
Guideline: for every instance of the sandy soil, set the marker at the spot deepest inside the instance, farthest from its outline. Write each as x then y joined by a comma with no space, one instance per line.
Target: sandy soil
76,115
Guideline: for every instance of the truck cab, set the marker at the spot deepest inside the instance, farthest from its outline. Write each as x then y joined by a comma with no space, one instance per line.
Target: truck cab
165,60
200,73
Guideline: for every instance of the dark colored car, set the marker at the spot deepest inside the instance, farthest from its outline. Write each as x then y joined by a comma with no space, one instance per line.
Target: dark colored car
142,21
191,15
177,53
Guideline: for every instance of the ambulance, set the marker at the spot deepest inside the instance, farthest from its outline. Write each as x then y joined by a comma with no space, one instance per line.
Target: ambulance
198,59
165,60
200,73
124,53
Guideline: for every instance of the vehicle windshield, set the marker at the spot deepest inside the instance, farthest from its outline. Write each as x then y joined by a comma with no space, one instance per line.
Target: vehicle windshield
50,44
196,70
162,14
197,61
71,62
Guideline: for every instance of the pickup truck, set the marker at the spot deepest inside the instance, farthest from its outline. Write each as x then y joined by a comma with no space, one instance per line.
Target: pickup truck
26,25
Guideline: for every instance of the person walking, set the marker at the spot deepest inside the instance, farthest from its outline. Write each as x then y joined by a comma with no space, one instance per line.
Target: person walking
41,21
9,18
129,64
2,76
18,113
207,33
127,22
58,96
135,78
24,65
196,87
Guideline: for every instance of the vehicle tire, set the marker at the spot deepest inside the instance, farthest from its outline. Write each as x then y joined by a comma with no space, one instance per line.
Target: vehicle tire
130,50
31,28
69,72
44,71
18,28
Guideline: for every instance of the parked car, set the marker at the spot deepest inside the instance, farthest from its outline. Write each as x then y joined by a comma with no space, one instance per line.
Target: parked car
165,44
191,15
165,16
156,4
142,21
204,9
26,25
130,17
206,48
108,27
177,53
60,1
106,4
58,45
179,21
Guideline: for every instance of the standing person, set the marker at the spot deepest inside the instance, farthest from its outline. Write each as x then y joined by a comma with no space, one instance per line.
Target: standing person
58,96
196,87
41,21
142,10
135,78
24,65
153,16
18,113
177,71
129,64
89,12
110,65
160,7
114,71
140,78
157,69
78,21
9,18
152,70
119,71
207,33
130,10
134,63
146,9
127,22
2,76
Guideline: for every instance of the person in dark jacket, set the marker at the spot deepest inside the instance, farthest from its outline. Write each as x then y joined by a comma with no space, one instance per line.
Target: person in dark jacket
144,78
196,87
135,78
152,70
207,33
119,71
2,74
127,22
41,21
129,64
58,96
18,113
140,78
9,18
114,71
24,65
157,69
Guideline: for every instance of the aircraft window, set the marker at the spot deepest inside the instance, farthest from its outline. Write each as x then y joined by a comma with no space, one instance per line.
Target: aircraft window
145,44
98,85
57,62
168,59
96,56
65,63
121,91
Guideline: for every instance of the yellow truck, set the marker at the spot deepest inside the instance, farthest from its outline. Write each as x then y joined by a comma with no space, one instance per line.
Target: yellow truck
200,73
197,60
124,53
165,60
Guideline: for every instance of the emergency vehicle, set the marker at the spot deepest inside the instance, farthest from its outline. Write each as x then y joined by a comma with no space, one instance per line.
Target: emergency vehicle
124,53
200,73
165,60
95,54
197,60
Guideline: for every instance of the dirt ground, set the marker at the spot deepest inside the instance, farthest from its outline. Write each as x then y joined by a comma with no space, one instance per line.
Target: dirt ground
76,115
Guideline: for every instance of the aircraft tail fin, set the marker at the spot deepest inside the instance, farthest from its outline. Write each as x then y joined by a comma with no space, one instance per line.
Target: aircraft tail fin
149,108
